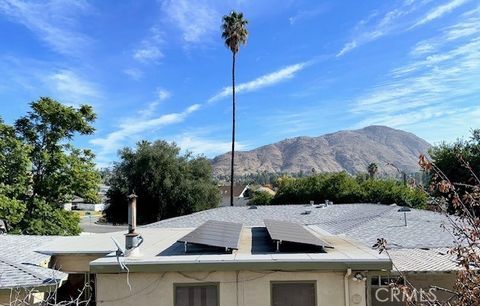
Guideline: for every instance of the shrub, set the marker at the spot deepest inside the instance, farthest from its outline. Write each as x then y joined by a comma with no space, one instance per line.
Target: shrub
343,188
260,198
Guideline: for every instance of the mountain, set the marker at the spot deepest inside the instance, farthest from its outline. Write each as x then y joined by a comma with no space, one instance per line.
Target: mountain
351,151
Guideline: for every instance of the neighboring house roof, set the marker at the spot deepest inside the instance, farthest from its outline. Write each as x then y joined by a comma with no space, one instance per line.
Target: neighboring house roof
423,260
238,190
21,266
363,222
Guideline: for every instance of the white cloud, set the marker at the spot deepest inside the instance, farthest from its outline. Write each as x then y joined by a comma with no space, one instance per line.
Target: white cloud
128,131
134,73
71,88
372,28
150,48
261,82
429,88
197,20
54,22
440,11
163,94
204,145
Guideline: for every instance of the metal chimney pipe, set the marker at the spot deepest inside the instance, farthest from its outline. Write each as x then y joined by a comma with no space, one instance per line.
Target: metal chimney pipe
132,239
132,213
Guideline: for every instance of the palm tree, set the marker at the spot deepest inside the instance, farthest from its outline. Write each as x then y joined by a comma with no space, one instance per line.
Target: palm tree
234,33
372,170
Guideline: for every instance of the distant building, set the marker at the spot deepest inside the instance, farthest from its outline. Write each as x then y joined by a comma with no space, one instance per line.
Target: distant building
79,203
239,195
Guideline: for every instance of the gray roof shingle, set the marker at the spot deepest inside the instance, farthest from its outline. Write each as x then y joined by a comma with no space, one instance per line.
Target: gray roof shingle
22,266
363,222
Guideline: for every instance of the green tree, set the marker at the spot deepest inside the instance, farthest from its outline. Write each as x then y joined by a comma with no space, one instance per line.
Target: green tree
235,34
40,169
59,171
448,158
167,183
14,163
460,163
372,170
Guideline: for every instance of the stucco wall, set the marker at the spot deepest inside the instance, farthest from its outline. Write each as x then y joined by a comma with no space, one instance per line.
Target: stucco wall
4,298
73,263
421,281
253,288
442,280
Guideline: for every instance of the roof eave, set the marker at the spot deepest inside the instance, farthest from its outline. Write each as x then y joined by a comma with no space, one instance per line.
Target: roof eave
146,267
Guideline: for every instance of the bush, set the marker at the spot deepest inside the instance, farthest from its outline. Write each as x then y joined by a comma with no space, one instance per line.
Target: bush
260,198
343,188
45,219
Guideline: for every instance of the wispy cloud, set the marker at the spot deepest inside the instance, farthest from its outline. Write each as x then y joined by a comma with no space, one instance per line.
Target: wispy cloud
307,14
427,88
399,20
377,25
145,121
196,20
149,50
201,144
54,22
71,88
128,131
161,95
261,82
439,11
134,73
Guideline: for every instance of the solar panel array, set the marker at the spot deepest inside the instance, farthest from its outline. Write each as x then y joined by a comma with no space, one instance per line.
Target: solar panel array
215,233
292,232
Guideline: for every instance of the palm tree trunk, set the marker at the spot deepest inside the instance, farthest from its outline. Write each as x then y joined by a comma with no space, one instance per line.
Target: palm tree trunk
233,131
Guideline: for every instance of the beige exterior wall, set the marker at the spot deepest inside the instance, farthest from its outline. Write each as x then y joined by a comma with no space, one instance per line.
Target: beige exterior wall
390,297
442,280
73,263
253,288
4,298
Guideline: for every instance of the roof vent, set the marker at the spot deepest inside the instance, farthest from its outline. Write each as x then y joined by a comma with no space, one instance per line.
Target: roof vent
404,209
306,212
252,207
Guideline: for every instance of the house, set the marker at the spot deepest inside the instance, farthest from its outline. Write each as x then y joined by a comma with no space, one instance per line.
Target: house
262,269
78,203
239,195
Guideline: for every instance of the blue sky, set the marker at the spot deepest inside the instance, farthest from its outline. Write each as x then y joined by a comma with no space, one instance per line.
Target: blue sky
159,69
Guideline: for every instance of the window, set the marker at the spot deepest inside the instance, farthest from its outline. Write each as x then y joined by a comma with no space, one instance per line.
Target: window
196,294
294,293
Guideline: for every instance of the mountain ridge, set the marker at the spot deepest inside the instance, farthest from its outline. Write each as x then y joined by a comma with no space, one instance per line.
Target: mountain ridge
346,150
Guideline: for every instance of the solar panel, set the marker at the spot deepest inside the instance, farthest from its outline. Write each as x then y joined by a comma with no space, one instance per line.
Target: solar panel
215,233
292,232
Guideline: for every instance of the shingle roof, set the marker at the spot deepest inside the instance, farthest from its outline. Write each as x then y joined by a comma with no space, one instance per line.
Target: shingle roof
423,260
21,266
363,222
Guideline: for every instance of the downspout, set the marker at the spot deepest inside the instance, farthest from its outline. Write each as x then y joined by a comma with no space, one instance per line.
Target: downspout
347,288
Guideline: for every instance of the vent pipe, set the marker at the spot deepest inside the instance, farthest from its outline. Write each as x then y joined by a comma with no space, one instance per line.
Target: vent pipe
132,239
